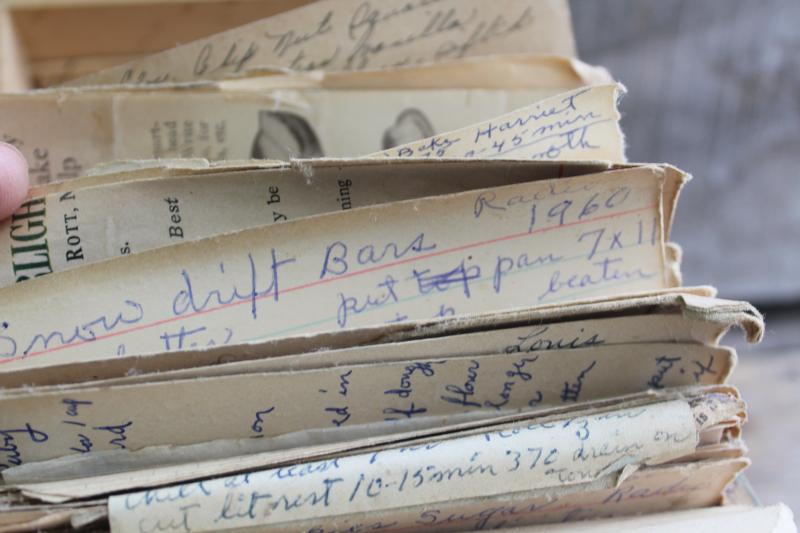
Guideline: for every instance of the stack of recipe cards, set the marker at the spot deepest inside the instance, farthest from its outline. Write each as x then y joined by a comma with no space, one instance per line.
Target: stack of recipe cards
471,319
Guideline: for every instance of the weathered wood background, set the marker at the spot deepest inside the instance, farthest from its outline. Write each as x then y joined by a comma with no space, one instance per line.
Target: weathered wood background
714,88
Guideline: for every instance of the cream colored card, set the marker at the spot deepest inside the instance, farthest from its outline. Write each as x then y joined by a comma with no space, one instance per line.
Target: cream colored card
269,405
664,489
537,457
566,239
687,314
60,229
355,35
582,124
600,332
64,133
731,519
509,71
82,476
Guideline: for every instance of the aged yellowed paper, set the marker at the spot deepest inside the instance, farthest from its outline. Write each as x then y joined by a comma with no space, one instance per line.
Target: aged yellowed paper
551,455
354,35
65,133
538,243
268,405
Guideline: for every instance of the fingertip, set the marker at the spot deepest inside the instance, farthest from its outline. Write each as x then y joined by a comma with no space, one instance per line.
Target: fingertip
13,179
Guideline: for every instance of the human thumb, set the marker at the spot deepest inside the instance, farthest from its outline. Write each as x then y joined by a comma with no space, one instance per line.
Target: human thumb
13,179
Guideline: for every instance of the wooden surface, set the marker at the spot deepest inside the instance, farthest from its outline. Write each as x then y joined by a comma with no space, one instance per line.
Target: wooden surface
714,88
769,378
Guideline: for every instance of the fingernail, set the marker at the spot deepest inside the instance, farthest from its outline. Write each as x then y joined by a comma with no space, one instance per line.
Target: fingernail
11,149
14,179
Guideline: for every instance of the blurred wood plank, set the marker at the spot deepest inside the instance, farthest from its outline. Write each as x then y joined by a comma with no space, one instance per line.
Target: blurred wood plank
714,88
770,383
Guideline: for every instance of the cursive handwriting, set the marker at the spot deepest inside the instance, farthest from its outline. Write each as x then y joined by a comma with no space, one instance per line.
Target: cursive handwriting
89,331
604,272
9,447
537,340
186,300
664,364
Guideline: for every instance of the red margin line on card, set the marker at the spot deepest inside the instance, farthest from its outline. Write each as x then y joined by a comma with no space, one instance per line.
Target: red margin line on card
296,288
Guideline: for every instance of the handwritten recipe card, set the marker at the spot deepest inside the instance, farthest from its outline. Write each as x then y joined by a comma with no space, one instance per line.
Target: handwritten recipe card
357,266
